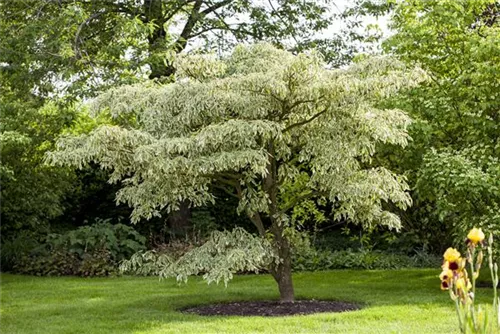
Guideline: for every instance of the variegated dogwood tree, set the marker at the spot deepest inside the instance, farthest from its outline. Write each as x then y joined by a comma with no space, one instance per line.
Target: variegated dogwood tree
254,124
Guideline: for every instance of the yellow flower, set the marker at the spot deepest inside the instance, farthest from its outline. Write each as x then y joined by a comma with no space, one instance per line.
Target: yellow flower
475,236
461,283
445,266
452,257
445,285
446,275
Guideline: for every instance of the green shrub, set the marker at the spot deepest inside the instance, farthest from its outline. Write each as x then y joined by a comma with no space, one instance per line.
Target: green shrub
56,263
317,260
94,250
120,240
14,249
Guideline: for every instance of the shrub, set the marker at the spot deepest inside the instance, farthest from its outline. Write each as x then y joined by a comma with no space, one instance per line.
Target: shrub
120,240
14,249
92,250
317,260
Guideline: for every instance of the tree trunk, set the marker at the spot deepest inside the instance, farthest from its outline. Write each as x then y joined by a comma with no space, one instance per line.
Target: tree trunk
285,283
179,220
282,272
153,12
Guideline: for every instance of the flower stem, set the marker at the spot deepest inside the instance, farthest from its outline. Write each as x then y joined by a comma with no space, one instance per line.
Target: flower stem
472,254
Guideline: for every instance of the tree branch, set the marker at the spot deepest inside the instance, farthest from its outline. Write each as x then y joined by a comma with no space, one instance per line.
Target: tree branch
305,121
227,191
188,28
216,6
257,221
79,31
255,218
301,198
175,10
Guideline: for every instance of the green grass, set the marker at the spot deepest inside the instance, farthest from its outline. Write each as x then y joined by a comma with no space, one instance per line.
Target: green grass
405,301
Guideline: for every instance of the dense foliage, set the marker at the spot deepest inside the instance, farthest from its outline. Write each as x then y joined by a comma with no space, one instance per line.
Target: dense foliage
94,250
55,53
32,192
80,47
453,159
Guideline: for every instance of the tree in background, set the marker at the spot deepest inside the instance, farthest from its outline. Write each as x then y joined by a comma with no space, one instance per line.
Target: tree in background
250,125
453,161
80,47
31,191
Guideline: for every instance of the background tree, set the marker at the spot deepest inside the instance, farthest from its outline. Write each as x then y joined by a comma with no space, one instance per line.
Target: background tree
80,47
249,125
32,192
452,162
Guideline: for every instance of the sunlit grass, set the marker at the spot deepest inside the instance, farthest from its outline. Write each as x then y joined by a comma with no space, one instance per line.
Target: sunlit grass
406,301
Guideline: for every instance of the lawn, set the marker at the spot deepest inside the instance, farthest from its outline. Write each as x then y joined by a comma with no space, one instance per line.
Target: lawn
404,301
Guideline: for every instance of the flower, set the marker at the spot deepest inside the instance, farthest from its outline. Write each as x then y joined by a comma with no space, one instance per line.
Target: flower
475,236
452,259
461,284
446,275
451,255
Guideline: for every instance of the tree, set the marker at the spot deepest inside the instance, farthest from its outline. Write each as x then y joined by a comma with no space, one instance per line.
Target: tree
31,191
91,45
453,159
249,124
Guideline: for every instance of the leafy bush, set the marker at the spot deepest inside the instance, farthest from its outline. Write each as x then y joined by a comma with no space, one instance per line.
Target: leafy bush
15,248
57,263
92,250
316,260
120,240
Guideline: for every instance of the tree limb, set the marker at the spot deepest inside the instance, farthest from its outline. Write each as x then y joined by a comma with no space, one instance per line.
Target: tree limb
79,31
305,121
188,27
301,198
216,6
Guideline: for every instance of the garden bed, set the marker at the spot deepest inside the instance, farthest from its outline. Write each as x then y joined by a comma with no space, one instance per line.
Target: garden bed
272,308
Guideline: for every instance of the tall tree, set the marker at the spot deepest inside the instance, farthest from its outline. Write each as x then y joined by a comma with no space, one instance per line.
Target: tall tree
453,159
249,125
31,192
81,46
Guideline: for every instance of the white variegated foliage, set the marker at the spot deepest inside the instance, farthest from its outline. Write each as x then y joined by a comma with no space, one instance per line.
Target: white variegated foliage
217,123
250,124
217,259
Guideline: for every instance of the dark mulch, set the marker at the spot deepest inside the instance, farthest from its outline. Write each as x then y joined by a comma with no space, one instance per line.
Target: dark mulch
272,308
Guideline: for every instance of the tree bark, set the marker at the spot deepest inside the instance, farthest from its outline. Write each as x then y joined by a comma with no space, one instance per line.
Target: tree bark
180,220
153,12
282,273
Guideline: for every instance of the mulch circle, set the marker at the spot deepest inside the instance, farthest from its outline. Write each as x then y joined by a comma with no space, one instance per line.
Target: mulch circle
272,308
